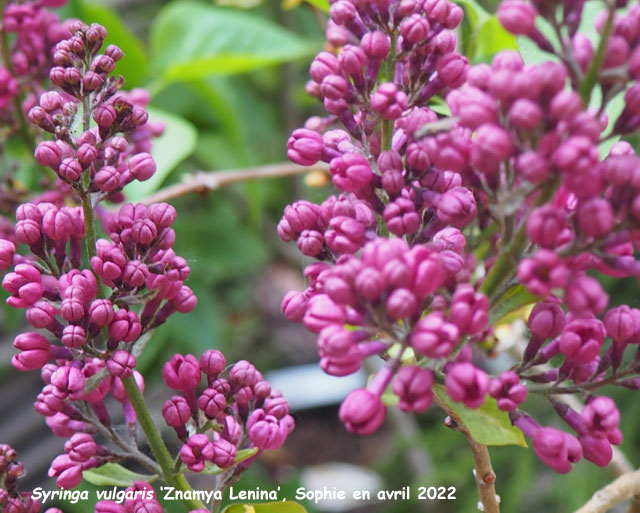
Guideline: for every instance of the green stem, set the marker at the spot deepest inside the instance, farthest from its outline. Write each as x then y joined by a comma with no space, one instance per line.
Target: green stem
589,82
89,225
387,124
156,443
505,265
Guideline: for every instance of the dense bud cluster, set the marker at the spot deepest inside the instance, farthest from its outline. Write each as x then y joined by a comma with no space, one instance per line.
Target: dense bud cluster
11,470
235,410
92,303
442,218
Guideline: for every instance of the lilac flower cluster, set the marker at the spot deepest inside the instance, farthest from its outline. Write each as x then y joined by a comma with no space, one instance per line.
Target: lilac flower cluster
237,410
442,218
94,302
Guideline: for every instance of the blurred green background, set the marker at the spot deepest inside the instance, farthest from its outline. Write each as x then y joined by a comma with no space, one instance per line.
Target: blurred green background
228,81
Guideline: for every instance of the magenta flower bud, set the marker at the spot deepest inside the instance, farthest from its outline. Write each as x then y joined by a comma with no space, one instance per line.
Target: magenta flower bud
142,166
490,147
105,115
109,507
389,101
334,87
542,273
244,373
457,207
601,416
565,105
585,294
452,69
144,231
7,251
196,452
125,326
324,64
25,285
508,391
182,373
224,453
582,339
322,312
101,312
28,231
376,45
73,336
415,28
469,310
58,224
352,60
556,449
401,304
302,215
434,337
467,384
413,386
68,381
334,340
345,235
48,154
212,403
437,10
70,169
135,273
351,172
546,320
596,450
107,179
294,306
264,430
305,147
41,315
622,325
176,411
518,17
362,412
310,243
212,362
401,217
81,447
121,364
35,351
68,473
546,225
596,217
532,166
525,114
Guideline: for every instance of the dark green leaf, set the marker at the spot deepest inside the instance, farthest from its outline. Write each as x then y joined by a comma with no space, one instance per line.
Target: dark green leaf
112,474
488,425
513,299
190,41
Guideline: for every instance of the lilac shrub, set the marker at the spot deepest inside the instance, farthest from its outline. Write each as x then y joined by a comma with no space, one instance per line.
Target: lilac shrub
93,304
444,224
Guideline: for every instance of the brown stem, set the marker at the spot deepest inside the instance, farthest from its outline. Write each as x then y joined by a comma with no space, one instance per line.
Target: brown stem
206,181
620,490
483,471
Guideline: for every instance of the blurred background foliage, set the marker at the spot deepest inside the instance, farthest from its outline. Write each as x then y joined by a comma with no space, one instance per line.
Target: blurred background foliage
227,78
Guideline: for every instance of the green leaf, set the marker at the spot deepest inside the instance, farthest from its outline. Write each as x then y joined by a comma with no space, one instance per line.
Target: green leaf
323,5
134,65
266,507
476,15
176,143
488,425
513,299
112,474
240,4
190,41
493,38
